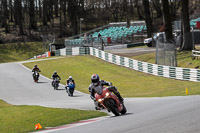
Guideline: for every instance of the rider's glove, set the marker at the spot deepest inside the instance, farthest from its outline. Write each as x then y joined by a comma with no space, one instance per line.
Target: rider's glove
109,84
93,98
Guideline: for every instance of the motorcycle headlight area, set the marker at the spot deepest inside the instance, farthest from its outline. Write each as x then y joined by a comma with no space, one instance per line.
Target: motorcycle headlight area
107,94
99,100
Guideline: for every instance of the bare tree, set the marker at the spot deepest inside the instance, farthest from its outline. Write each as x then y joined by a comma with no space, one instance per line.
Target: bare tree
45,13
157,6
186,34
127,10
40,8
174,6
32,21
73,14
56,7
119,10
64,10
11,10
5,16
115,9
1,12
167,20
148,19
61,21
132,9
138,10
19,15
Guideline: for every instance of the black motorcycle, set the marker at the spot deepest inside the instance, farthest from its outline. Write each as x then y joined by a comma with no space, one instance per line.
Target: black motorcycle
56,83
36,76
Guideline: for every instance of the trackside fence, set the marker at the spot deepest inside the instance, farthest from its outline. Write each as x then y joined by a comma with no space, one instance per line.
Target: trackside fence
154,69
73,51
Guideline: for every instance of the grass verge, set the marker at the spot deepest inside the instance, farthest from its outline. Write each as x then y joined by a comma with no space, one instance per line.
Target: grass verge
20,51
130,83
183,59
22,119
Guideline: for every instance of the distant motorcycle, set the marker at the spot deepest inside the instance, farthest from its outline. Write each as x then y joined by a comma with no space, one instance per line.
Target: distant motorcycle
107,100
70,88
36,76
56,83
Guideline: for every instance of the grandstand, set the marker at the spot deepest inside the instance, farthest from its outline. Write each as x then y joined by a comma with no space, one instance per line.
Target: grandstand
112,34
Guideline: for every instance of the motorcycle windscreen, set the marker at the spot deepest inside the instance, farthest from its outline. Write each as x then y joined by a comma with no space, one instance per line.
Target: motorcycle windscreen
99,90
56,79
36,72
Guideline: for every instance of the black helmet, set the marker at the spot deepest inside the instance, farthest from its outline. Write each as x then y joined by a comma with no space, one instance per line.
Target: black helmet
35,65
95,79
55,72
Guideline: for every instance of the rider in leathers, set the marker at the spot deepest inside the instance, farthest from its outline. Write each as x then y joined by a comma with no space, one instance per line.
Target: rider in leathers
100,83
35,68
54,76
70,79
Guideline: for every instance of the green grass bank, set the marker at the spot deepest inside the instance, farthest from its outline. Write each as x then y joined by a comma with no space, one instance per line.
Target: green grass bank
184,59
11,52
130,83
22,119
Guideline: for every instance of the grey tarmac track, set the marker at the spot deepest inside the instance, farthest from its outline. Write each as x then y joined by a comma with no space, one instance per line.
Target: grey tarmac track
18,88
145,115
133,51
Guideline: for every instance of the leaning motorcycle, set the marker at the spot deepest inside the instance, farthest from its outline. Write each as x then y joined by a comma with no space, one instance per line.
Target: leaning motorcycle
107,100
36,76
70,89
56,83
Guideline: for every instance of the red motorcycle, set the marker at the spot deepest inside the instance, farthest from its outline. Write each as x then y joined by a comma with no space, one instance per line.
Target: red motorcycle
107,100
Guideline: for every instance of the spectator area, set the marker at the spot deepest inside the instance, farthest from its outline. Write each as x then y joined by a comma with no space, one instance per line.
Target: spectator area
114,33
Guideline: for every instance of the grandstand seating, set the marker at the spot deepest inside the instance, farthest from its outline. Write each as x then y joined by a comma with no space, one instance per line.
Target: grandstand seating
122,31
193,22
115,33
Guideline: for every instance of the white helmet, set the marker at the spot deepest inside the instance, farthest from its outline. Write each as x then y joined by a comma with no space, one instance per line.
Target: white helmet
70,77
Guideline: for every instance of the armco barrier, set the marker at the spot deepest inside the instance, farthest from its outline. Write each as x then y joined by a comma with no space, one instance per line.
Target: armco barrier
73,51
57,52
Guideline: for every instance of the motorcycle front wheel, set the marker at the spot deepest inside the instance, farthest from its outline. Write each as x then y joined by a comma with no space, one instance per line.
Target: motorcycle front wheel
124,110
55,86
71,92
112,106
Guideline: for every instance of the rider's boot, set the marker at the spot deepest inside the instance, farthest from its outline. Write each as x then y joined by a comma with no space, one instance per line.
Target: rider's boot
119,97
97,105
114,90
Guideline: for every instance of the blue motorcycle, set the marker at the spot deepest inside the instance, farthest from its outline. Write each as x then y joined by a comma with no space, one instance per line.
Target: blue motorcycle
70,89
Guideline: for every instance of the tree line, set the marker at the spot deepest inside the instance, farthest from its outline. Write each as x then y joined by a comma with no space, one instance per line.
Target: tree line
35,17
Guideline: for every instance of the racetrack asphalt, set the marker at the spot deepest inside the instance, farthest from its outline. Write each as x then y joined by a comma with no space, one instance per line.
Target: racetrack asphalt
180,114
